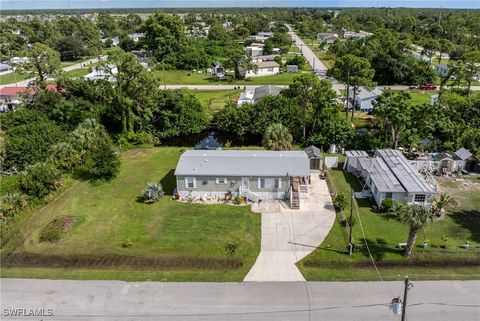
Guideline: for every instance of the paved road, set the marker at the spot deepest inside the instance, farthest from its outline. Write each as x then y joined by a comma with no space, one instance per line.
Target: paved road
312,59
82,64
288,301
290,235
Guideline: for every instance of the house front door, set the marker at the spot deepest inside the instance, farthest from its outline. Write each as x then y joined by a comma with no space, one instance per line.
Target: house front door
245,183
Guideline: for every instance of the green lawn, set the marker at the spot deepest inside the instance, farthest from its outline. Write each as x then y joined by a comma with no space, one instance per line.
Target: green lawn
420,97
184,241
214,100
10,78
182,77
383,233
77,72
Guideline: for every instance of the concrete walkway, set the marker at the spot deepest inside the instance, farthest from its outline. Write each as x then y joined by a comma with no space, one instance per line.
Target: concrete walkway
290,235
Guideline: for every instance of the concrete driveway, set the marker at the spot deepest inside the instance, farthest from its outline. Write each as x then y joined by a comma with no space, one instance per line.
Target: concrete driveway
290,235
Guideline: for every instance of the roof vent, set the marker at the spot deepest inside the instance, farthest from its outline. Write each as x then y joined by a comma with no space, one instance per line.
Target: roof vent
206,160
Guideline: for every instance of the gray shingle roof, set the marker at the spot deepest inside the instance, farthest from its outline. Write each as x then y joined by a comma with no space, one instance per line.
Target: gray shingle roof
356,153
381,175
243,163
364,93
463,153
313,152
263,91
409,177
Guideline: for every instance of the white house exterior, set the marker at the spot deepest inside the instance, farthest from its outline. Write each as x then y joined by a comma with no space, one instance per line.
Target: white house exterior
258,94
441,70
136,36
253,174
327,37
389,175
365,98
99,73
254,51
264,68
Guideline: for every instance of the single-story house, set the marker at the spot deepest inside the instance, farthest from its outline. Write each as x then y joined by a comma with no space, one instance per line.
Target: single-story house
365,98
11,97
292,68
262,36
264,68
253,174
327,37
315,156
258,94
468,160
217,69
142,53
419,56
263,58
4,67
441,70
136,36
254,51
389,175
99,73
19,60
355,35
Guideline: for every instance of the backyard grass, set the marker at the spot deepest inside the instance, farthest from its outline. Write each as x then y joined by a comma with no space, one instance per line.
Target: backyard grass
383,233
169,240
10,77
183,77
214,100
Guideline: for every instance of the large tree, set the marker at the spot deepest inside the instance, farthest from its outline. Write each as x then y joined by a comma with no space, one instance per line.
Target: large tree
301,89
43,62
277,137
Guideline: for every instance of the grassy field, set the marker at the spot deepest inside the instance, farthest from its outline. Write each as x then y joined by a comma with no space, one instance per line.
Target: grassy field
383,233
214,100
171,240
420,97
182,77
10,78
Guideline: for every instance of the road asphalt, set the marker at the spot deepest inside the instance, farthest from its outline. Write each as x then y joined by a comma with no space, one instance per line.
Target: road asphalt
316,64
286,301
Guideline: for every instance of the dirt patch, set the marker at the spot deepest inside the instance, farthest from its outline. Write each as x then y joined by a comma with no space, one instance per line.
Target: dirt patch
57,228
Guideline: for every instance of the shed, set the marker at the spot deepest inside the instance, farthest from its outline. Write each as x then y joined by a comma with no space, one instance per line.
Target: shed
470,160
292,68
315,156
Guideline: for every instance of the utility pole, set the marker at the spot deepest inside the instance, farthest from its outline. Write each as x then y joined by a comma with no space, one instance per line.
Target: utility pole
408,286
350,245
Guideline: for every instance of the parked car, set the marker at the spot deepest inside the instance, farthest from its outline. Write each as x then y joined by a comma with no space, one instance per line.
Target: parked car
427,87
413,87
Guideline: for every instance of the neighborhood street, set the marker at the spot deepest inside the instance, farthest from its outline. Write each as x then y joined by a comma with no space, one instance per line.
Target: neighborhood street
312,59
332,301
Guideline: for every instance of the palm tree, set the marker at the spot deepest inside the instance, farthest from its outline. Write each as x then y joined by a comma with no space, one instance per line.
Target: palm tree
416,216
277,137
440,204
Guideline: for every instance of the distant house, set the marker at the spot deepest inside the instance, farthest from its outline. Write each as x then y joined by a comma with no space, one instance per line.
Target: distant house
419,56
19,60
102,73
11,97
136,36
253,174
258,94
4,68
115,41
327,37
264,68
217,69
470,162
254,51
262,36
315,157
365,98
441,70
389,175
142,53
292,68
209,143
263,58
355,35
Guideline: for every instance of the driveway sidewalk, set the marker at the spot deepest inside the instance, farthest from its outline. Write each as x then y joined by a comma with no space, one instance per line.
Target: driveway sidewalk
290,235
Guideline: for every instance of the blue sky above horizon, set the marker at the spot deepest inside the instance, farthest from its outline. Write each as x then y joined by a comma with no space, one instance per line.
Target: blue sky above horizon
74,4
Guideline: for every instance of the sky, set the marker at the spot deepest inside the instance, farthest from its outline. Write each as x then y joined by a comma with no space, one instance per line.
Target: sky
74,4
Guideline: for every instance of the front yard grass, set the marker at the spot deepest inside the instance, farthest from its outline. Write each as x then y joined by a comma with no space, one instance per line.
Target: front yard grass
184,241
383,232
214,100
183,77
11,77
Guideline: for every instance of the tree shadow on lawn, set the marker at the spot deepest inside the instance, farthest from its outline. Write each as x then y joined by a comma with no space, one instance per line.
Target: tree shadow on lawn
378,248
466,219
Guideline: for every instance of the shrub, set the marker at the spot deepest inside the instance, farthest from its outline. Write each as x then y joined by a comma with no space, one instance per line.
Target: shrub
152,192
56,229
127,243
39,180
239,200
103,162
277,137
135,139
387,205
232,246
340,202
11,204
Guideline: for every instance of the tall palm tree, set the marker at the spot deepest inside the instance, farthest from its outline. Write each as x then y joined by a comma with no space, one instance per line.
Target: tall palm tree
416,216
277,137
